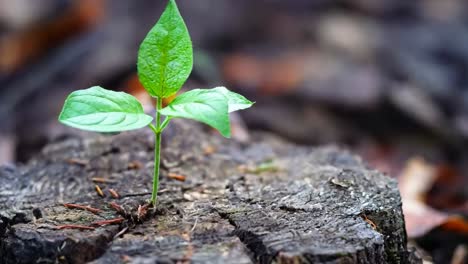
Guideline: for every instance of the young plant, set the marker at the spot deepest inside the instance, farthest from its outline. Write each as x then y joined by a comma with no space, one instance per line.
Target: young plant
165,60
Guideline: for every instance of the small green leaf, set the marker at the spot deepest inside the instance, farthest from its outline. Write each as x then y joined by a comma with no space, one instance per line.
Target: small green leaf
208,106
165,58
101,110
235,101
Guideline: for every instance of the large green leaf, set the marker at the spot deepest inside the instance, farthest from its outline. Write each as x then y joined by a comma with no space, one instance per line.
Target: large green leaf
165,58
235,101
205,105
101,110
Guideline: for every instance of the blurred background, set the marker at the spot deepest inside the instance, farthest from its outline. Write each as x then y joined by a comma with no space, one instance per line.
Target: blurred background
387,79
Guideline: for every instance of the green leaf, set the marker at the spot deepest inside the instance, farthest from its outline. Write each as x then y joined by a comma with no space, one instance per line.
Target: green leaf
101,110
235,101
208,106
165,58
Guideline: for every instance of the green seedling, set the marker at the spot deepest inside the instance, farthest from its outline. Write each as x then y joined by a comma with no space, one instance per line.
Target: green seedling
165,60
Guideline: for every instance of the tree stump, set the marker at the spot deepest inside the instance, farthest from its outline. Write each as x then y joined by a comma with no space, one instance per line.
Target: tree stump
261,202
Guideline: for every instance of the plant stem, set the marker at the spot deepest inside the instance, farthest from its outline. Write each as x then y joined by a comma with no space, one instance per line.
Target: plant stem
157,153
165,123
155,130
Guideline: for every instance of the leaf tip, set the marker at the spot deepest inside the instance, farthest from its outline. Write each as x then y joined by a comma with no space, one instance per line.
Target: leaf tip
226,134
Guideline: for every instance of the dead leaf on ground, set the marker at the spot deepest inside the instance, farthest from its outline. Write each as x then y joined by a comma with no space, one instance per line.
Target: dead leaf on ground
416,180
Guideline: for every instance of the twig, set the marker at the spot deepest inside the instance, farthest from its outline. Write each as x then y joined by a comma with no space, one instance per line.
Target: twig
82,227
99,190
109,222
102,180
370,222
83,207
194,225
125,229
117,208
114,193
176,176
134,165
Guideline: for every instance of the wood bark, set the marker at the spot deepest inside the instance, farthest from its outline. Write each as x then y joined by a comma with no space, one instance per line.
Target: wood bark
262,202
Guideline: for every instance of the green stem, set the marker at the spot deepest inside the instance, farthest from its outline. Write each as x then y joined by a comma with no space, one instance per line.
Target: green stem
155,130
157,153
165,123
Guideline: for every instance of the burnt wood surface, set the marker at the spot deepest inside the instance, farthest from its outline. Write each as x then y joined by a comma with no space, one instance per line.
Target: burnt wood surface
261,202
